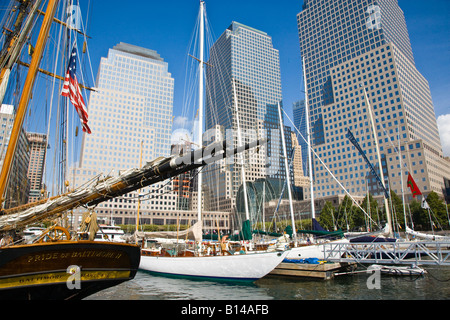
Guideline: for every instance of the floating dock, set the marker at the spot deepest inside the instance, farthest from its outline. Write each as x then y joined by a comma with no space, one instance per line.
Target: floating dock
323,271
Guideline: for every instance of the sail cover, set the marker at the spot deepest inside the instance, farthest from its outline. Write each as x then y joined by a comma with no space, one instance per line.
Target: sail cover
193,233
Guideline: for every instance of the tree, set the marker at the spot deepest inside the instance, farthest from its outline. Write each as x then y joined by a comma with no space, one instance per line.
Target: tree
437,214
327,218
361,219
437,210
397,212
345,215
419,216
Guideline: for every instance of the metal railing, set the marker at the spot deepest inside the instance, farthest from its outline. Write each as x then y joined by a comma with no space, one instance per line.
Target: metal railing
419,253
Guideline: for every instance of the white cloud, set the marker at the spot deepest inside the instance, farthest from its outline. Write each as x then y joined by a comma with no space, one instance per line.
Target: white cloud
443,123
181,122
179,135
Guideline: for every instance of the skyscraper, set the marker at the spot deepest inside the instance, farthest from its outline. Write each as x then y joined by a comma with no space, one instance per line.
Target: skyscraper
299,112
244,68
38,150
130,115
354,48
18,188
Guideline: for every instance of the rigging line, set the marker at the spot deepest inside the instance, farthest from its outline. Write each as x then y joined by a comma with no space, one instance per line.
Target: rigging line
189,67
332,175
7,8
57,52
87,50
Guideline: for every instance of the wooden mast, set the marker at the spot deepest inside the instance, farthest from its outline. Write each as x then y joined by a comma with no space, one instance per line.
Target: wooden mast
26,94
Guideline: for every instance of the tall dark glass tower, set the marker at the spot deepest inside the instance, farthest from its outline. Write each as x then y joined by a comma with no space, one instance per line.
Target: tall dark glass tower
244,65
354,47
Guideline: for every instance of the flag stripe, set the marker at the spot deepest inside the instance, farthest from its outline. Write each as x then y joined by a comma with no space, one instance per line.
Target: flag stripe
72,90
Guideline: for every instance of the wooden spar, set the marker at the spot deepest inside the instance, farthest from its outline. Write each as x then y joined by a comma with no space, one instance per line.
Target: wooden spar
48,73
14,43
26,94
66,25
150,174
11,38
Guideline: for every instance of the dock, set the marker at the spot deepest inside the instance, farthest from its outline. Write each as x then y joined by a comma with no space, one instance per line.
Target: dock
321,271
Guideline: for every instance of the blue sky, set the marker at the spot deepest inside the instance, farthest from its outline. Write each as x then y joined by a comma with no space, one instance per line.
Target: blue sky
167,27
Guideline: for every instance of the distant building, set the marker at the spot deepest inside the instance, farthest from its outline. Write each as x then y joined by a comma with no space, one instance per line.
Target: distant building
38,150
183,184
300,180
17,191
243,66
130,114
299,112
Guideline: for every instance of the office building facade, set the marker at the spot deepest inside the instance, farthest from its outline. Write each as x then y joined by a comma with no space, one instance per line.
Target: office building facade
354,48
130,116
18,188
243,65
38,151
299,113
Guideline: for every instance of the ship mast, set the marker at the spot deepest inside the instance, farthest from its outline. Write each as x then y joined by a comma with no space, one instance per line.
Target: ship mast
26,94
200,107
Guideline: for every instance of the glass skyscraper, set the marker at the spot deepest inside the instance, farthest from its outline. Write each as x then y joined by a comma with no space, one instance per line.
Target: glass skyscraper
244,65
355,47
299,112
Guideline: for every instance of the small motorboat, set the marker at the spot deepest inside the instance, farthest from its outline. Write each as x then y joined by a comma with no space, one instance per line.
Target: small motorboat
412,270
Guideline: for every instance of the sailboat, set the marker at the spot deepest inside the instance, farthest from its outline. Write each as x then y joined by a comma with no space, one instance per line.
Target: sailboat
226,264
58,264
316,248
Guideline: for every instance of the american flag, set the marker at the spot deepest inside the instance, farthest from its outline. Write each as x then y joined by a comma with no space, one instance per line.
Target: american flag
72,90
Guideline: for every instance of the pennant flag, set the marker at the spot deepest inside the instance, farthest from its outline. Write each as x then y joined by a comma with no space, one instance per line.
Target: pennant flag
425,204
413,186
72,90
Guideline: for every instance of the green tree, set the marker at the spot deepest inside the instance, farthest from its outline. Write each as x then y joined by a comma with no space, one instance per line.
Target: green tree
438,211
437,214
397,213
345,214
368,220
419,216
327,217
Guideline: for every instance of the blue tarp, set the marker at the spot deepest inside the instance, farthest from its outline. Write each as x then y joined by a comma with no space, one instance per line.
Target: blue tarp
305,261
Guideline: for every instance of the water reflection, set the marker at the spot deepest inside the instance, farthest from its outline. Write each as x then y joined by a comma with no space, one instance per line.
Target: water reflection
433,286
147,287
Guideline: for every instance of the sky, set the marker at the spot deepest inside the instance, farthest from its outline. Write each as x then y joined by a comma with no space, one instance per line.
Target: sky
167,27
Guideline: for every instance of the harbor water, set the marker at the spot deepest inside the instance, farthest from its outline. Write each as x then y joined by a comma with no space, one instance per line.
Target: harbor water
435,285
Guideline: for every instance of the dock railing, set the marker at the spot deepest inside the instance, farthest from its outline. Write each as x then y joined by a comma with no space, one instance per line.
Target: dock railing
419,253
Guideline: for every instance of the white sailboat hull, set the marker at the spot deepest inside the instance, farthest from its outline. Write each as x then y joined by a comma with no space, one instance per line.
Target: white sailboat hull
399,271
244,267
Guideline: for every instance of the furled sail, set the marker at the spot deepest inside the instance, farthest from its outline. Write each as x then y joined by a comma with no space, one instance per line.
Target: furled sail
130,180
194,232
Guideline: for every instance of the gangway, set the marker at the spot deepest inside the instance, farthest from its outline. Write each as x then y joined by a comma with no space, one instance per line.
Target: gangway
407,252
